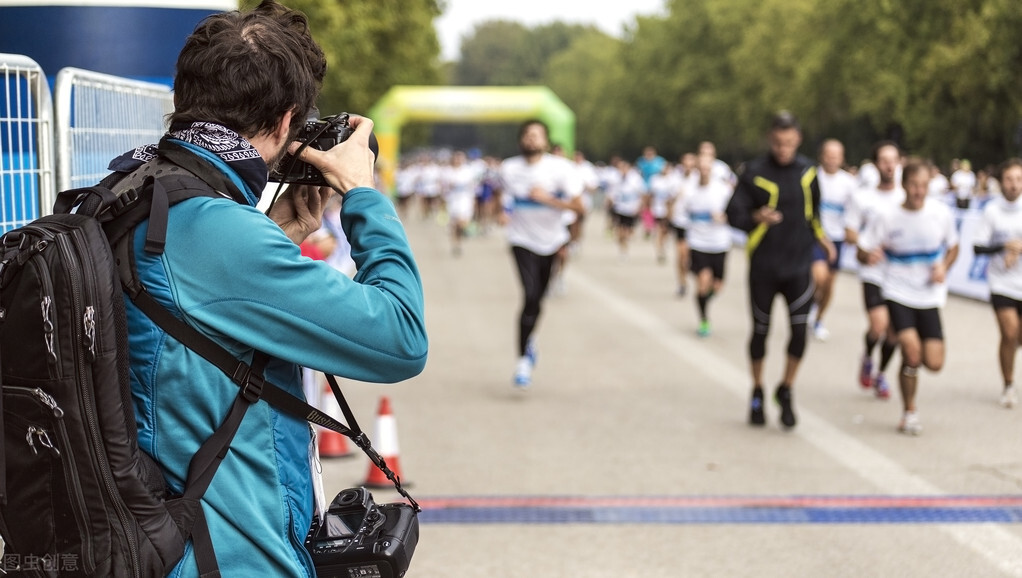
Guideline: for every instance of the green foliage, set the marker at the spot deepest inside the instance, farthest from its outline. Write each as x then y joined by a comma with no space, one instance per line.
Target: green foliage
941,76
370,46
503,53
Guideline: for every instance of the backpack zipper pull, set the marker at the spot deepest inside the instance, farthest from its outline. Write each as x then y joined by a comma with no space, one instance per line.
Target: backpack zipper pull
48,326
49,402
44,440
90,332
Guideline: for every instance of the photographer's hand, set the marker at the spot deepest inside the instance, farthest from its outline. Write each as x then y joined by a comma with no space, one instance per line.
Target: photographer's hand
299,211
346,165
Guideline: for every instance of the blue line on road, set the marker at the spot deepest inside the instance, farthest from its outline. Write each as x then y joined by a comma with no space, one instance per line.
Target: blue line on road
697,510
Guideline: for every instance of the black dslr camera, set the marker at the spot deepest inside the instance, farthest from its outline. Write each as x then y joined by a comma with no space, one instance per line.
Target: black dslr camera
320,134
357,537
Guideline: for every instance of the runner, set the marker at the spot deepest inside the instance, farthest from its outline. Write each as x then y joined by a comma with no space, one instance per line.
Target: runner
777,203
539,187
859,212
919,243
836,187
709,236
1000,236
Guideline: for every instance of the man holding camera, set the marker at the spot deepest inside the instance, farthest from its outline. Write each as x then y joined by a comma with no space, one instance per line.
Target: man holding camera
245,84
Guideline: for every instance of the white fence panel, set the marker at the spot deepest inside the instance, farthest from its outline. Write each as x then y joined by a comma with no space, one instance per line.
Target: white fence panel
26,142
100,116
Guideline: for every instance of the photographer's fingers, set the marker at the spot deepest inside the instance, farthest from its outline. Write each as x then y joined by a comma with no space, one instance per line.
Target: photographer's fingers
363,126
347,165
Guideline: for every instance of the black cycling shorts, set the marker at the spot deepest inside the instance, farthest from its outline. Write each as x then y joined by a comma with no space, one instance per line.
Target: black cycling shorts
926,322
1004,302
872,295
713,261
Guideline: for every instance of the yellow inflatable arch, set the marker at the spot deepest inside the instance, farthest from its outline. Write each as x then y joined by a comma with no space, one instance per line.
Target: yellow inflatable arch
469,104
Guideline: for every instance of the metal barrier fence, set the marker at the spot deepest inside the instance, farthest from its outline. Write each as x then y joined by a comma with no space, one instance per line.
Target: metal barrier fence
98,117
26,142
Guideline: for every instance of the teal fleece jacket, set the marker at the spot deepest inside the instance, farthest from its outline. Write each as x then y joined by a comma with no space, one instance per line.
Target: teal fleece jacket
231,273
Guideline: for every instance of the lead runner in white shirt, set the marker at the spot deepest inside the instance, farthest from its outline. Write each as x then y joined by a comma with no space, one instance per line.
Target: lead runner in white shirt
919,243
1000,236
540,187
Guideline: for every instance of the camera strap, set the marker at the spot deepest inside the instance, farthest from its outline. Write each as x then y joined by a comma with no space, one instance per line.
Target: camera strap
359,438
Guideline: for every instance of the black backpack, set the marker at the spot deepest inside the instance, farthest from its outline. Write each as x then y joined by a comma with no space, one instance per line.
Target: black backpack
77,495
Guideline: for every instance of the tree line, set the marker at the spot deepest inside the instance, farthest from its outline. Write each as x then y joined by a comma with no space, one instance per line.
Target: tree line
941,77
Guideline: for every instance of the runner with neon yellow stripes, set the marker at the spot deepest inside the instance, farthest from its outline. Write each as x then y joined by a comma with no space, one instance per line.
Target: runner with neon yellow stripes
777,203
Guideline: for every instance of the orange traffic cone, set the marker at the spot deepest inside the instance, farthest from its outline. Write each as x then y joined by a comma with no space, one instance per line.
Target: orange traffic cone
385,443
331,443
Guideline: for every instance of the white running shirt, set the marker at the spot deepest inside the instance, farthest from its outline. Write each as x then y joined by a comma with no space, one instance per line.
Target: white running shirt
1002,222
534,226
862,206
913,241
460,185
702,204
835,190
662,188
627,194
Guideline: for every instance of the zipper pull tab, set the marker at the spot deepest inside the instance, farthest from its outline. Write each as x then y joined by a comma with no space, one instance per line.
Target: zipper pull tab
44,440
90,332
49,402
48,327
30,438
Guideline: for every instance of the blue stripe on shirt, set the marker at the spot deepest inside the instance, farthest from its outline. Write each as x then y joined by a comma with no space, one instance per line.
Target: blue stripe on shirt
702,217
914,257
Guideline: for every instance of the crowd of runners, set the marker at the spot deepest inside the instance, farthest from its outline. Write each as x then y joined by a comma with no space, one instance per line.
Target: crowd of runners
891,217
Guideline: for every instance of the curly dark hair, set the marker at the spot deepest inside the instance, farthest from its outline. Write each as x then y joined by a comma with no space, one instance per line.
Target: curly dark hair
246,70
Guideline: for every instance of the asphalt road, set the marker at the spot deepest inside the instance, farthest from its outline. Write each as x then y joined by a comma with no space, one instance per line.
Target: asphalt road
630,456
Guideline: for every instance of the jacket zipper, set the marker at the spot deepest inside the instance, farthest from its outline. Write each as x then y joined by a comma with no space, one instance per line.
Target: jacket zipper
67,463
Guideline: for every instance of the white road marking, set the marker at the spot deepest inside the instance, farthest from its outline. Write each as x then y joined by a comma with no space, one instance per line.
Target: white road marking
992,541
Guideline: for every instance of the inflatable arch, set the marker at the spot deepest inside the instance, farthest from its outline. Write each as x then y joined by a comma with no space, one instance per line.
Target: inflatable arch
475,104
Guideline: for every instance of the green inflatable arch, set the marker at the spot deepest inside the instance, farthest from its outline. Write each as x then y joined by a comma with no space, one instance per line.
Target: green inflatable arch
475,104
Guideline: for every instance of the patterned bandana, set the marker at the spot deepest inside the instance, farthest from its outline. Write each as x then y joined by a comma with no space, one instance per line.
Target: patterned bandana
229,146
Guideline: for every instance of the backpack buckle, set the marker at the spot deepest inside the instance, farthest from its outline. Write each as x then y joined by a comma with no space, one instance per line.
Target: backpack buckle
124,201
251,383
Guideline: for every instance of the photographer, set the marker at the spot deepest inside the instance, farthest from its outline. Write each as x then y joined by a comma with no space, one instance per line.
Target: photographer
245,83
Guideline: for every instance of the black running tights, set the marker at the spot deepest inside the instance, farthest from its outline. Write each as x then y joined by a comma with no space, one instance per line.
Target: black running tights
534,271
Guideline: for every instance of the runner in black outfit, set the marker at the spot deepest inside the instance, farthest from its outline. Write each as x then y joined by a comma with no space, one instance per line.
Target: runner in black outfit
777,203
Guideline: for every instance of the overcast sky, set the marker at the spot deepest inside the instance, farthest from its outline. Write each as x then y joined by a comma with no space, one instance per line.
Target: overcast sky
610,16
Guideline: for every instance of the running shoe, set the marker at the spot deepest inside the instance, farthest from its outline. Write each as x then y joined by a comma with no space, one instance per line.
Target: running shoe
820,332
523,373
530,351
783,398
756,415
910,424
704,329
1009,397
880,386
682,289
866,372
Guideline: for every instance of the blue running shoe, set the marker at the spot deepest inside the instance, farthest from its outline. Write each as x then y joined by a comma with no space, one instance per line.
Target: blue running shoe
530,351
756,415
523,373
